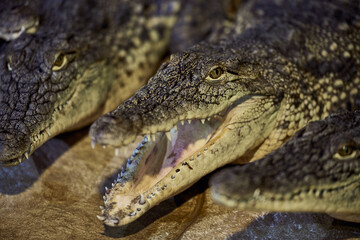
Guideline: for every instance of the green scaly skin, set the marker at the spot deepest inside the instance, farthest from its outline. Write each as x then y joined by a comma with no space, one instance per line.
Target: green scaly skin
317,170
85,59
245,94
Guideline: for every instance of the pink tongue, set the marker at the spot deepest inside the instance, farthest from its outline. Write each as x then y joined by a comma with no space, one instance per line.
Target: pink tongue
188,139
165,155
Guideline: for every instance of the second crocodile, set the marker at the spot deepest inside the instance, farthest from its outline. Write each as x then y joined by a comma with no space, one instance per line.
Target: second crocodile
318,170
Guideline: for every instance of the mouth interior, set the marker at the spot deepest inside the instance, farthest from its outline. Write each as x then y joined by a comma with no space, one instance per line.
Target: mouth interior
187,140
166,154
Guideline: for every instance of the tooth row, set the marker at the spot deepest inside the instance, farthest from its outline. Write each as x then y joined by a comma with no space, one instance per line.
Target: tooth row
182,122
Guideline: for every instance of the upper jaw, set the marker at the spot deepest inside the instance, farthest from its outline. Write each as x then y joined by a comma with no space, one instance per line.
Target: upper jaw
141,184
118,128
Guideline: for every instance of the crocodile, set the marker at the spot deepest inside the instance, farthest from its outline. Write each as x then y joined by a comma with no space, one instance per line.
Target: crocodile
318,170
83,61
18,17
232,99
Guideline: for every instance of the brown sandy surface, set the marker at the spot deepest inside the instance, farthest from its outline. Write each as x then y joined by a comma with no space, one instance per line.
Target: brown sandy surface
56,194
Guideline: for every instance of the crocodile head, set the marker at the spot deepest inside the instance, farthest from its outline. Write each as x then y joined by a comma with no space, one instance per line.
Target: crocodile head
204,108
44,80
318,170
17,18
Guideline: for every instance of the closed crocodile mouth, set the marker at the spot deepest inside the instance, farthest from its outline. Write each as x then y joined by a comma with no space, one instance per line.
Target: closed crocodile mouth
15,33
166,157
296,200
39,138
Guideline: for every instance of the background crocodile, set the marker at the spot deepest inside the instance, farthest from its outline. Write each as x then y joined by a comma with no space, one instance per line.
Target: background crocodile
318,170
85,59
18,17
284,63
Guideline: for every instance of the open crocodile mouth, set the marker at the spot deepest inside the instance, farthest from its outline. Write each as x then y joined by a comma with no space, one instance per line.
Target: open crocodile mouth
167,163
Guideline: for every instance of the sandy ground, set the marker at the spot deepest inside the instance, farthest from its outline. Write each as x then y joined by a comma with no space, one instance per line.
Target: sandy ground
56,194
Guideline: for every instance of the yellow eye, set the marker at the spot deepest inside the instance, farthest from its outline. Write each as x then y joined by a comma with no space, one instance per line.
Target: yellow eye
59,62
346,150
216,73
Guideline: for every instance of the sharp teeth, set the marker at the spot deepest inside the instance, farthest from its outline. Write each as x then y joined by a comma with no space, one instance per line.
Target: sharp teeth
117,151
202,121
113,185
101,207
93,144
132,214
48,132
182,122
168,135
101,218
142,200
106,189
189,121
114,221
153,137
208,119
256,193
103,146
104,197
26,155
175,128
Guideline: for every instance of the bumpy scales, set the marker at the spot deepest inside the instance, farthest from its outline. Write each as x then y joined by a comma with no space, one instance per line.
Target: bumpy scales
283,64
84,60
318,170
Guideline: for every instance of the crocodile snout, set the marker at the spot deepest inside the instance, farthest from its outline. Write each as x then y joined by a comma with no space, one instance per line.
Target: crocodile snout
14,147
108,130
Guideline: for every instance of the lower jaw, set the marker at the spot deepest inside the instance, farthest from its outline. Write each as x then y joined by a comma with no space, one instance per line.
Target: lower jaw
130,198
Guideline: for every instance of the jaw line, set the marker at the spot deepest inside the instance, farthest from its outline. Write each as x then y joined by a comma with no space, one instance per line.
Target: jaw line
43,135
293,201
118,212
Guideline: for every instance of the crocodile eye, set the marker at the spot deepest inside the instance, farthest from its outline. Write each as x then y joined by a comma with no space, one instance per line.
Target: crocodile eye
346,151
216,73
60,62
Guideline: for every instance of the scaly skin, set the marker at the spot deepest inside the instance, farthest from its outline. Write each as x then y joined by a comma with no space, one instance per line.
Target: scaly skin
280,67
318,170
18,17
82,62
